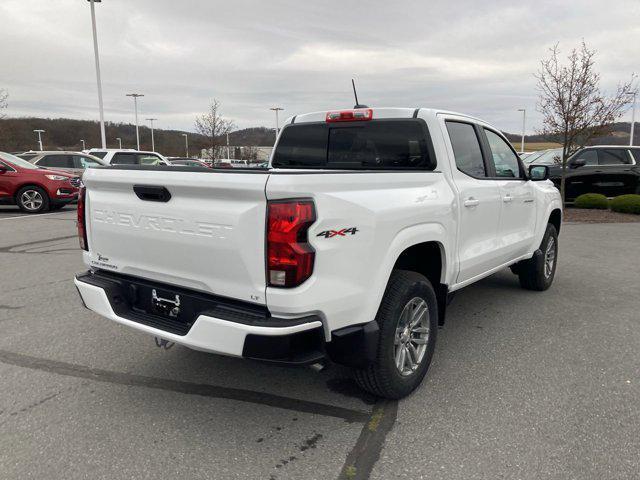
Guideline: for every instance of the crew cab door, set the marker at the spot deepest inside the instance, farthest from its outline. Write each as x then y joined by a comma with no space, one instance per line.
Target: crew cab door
479,200
580,177
518,215
614,175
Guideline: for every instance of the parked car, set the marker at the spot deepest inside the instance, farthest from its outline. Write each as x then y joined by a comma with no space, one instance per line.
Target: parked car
348,246
127,156
35,189
611,170
188,162
72,162
551,156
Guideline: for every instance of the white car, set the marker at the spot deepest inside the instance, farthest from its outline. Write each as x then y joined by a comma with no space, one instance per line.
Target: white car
127,156
348,246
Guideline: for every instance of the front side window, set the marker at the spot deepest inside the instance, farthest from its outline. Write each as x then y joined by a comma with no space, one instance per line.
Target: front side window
124,159
56,161
504,158
84,162
613,156
377,144
466,149
149,159
590,157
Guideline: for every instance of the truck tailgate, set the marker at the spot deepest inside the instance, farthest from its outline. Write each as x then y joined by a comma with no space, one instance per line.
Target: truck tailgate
208,236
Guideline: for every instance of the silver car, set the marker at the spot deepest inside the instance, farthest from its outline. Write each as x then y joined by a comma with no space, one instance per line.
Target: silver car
73,162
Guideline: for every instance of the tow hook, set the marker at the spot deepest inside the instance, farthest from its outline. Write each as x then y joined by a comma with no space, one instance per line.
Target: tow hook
162,343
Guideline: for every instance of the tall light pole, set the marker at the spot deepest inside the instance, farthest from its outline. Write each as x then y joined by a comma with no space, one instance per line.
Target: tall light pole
83,145
39,132
153,143
277,109
524,119
186,143
99,80
135,102
119,142
633,117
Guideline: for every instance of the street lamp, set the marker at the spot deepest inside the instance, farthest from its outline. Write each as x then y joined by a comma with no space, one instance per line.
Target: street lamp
95,52
83,145
524,117
153,143
277,109
186,143
135,102
633,116
39,132
119,142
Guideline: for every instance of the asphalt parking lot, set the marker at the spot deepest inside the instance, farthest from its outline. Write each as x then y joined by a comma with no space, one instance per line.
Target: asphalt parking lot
523,385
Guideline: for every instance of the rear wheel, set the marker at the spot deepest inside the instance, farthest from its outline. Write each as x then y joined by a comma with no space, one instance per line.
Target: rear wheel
32,199
408,323
538,272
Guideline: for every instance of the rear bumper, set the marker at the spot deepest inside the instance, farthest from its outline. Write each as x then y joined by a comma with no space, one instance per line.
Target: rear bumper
216,326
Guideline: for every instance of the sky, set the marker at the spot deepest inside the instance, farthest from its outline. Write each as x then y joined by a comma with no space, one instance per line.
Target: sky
475,57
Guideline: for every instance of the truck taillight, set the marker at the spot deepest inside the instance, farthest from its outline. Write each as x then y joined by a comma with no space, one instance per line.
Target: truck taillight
81,222
350,115
289,255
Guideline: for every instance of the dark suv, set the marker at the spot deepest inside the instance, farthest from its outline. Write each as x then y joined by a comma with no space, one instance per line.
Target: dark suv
610,170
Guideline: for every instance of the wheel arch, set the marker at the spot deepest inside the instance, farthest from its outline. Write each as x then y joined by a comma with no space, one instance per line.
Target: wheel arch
29,184
555,218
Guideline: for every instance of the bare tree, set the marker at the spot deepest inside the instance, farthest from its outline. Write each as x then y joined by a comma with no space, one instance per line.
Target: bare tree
213,126
574,108
4,96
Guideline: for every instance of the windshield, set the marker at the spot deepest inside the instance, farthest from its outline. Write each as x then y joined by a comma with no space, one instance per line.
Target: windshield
378,144
18,162
99,154
548,157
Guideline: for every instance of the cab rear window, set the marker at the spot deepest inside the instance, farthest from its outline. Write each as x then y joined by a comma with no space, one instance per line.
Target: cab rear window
378,144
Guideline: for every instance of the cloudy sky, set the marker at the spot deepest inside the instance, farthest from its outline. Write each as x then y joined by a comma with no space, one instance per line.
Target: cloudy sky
472,56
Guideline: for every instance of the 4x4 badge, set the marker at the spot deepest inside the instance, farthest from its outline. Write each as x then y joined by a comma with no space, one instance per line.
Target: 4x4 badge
338,233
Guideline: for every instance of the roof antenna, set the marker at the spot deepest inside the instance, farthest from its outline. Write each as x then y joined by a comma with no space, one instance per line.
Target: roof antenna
355,94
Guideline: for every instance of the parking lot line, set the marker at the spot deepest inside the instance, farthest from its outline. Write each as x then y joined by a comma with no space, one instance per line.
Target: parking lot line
202,389
34,216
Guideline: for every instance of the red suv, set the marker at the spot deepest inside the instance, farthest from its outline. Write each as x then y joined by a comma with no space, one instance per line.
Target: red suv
35,189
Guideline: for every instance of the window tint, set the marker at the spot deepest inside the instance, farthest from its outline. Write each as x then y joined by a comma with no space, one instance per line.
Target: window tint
617,156
84,162
99,154
377,144
589,156
124,159
504,158
636,155
59,161
466,149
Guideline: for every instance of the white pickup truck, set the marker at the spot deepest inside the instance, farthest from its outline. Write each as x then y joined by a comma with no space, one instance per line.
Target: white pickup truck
347,247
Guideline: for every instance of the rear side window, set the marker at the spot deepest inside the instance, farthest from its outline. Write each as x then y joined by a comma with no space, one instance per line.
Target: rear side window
636,155
613,156
379,144
99,154
466,149
124,159
59,161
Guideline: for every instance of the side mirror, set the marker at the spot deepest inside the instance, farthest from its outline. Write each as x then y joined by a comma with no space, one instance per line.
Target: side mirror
578,162
538,173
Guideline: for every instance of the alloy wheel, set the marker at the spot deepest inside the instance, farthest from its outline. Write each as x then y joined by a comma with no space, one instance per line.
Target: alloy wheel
412,336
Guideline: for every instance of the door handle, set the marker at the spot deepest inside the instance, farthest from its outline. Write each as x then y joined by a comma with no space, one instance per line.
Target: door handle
507,199
471,202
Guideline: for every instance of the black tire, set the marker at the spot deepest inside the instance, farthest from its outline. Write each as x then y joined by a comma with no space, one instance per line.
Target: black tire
383,378
532,273
38,205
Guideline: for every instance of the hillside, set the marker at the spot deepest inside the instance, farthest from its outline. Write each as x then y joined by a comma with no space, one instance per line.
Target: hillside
16,134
